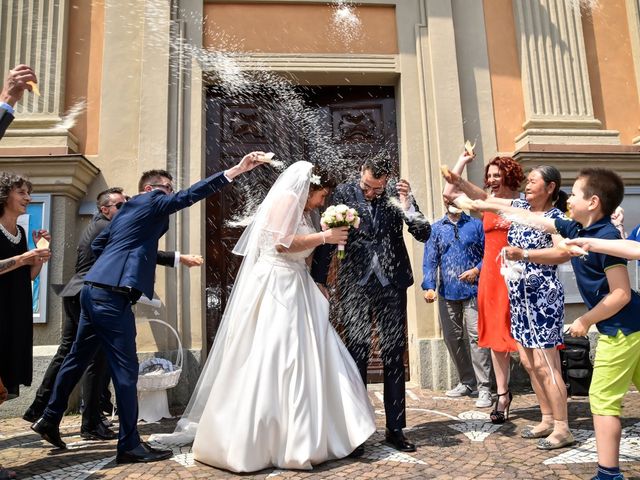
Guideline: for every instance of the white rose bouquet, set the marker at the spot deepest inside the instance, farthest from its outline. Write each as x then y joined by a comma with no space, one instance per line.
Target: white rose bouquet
339,216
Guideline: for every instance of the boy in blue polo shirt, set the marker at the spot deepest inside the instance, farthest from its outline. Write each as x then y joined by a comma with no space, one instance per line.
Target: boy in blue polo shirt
613,307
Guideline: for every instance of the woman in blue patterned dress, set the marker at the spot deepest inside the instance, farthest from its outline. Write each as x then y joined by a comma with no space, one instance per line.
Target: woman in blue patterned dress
536,298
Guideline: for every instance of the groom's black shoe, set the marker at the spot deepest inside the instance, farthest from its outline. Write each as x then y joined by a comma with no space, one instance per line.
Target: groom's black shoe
358,452
100,432
397,440
143,453
49,431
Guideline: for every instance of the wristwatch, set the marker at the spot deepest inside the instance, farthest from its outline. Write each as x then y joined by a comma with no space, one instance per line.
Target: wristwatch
525,255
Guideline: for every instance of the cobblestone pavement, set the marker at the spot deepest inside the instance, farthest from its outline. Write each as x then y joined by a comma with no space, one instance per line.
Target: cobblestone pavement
455,440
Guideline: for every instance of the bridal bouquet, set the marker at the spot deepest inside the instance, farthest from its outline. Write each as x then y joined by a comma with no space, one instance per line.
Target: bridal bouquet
339,216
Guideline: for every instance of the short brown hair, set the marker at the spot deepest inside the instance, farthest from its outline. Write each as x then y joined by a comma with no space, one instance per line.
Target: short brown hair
150,176
379,167
104,196
604,184
9,181
512,173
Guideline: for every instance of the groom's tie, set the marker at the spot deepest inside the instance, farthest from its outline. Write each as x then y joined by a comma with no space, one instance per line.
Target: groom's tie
373,209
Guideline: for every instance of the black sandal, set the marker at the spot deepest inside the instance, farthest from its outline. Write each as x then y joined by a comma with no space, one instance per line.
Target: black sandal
498,417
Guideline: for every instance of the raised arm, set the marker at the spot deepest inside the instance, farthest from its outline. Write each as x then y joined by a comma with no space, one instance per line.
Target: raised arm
517,215
419,226
456,184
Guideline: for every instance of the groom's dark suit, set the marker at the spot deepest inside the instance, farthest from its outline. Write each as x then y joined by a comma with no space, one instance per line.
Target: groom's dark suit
372,282
126,253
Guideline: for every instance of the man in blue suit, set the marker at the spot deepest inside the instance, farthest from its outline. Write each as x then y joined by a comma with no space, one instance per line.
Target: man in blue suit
97,377
12,91
126,253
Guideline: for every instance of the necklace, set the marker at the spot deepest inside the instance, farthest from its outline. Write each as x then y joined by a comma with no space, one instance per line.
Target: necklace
11,237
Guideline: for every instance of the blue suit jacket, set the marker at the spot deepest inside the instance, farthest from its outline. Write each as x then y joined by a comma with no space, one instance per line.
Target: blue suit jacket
127,248
5,120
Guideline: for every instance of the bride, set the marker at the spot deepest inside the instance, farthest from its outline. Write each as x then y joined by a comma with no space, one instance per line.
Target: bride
279,388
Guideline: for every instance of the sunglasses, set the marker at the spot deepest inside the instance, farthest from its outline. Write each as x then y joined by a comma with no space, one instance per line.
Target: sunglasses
369,188
167,187
117,205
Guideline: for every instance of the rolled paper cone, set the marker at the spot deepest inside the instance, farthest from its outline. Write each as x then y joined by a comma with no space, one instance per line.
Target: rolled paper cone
468,147
267,157
34,88
42,243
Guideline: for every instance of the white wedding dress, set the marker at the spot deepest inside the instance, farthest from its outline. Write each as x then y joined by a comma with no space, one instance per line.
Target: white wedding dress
286,392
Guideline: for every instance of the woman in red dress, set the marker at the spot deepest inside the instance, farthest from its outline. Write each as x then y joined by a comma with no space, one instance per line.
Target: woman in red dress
502,177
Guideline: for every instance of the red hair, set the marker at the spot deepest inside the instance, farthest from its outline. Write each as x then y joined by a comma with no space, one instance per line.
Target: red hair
512,174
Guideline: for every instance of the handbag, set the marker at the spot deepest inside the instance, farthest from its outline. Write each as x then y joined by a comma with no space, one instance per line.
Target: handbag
576,366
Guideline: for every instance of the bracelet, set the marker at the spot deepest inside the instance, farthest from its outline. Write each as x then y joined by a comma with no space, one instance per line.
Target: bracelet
324,241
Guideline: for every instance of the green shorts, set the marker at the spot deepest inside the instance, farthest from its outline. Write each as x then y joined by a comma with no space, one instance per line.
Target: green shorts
617,364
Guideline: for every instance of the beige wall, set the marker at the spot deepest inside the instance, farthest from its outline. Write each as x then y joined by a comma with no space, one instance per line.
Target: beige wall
611,69
122,69
610,63
504,66
84,69
289,28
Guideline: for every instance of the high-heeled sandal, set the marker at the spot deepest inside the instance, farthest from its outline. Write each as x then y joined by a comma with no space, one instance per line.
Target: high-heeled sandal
497,416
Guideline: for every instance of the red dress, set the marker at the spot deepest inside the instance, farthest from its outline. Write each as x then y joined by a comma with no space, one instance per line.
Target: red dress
494,319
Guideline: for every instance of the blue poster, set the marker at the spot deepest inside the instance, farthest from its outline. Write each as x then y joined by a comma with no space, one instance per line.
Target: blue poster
37,218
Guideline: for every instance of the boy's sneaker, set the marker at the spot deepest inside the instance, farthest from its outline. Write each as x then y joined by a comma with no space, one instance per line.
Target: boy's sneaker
484,399
460,390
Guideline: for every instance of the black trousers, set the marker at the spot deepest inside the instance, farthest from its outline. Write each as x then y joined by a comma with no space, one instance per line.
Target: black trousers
359,305
96,375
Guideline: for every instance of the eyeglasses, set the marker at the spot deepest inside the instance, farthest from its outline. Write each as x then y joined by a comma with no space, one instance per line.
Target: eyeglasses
369,188
166,186
117,205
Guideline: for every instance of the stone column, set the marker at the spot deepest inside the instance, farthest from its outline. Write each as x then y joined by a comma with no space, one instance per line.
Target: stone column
34,33
555,79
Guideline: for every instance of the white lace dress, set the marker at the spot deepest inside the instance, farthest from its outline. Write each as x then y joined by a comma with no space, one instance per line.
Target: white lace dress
287,393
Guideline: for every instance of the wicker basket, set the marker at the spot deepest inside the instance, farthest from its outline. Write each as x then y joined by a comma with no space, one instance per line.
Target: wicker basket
162,381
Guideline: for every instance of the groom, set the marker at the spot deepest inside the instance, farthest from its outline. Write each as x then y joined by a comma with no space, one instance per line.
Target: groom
126,253
373,279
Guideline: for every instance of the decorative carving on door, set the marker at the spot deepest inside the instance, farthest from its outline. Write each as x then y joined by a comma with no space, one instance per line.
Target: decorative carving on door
360,121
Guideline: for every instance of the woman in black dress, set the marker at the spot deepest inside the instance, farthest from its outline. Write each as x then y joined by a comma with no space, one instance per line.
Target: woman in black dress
18,267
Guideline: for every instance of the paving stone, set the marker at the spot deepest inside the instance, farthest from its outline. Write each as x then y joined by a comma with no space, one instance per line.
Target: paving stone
454,439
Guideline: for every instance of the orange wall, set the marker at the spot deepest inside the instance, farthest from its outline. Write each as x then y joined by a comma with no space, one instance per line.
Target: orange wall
84,69
611,71
504,67
289,28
